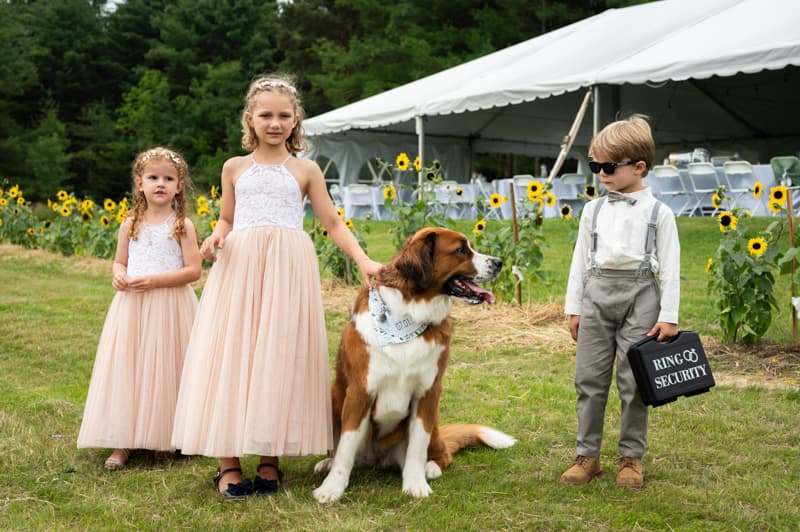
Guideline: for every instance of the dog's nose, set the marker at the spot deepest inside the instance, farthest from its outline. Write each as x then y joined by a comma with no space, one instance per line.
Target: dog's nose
495,263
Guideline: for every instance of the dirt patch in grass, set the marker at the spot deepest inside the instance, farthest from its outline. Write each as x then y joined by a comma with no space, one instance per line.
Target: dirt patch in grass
519,327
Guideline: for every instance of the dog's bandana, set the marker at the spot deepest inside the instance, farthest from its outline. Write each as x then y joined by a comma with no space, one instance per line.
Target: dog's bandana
392,328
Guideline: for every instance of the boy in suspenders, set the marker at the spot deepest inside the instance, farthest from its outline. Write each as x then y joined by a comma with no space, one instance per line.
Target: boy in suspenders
613,299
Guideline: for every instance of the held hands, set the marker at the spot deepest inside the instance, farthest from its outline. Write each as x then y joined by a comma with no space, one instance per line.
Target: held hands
664,330
142,284
120,282
210,244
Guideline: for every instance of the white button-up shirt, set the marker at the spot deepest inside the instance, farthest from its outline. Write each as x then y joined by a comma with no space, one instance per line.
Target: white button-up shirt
621,232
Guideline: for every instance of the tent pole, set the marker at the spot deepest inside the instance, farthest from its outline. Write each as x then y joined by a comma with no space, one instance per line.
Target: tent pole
570,138
420,147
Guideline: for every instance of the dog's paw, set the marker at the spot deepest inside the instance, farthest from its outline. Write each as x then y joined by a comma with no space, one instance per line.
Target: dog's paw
329,492
432,470
417,488
323,466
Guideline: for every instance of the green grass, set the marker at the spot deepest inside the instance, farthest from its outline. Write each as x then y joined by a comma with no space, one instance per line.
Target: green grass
726,460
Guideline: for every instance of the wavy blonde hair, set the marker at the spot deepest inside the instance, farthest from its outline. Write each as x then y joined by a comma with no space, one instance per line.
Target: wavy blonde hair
281,84
178,202
629,139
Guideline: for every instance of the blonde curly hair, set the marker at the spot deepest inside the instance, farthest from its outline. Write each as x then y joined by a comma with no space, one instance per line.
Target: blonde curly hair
178,202
281,84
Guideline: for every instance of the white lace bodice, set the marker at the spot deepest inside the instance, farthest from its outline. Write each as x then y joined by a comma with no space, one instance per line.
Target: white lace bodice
155,250
267,194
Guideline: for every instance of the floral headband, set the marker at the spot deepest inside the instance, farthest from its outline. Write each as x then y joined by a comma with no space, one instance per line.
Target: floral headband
275,84
161,153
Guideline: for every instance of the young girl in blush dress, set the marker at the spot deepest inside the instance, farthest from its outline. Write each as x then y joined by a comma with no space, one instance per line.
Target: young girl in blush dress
256,378
134,385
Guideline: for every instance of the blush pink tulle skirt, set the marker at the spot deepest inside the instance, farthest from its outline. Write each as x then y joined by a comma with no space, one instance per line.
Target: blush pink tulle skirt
137,370
255,380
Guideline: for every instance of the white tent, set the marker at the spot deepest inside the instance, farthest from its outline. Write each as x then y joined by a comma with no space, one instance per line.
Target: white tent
719,74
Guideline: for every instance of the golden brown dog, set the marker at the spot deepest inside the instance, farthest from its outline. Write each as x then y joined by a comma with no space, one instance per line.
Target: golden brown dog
391,362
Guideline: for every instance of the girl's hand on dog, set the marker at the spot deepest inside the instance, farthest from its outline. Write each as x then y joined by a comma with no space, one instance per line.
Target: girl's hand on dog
370,270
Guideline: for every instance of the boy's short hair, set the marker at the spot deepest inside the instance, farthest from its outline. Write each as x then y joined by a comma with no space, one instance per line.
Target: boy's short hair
630,139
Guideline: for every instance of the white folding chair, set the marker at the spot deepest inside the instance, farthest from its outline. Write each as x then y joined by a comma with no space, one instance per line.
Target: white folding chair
359,201
336,195
740,179
671,188
485,191
456,205
705,183
521,182
568,189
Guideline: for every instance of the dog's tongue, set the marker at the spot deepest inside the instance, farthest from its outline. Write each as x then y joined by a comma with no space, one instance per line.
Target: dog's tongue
485,294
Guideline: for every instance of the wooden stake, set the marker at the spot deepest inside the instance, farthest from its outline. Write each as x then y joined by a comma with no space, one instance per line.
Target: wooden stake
790,216
513,201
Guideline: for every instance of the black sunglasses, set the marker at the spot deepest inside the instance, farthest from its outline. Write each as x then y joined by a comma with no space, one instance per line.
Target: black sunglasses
608,168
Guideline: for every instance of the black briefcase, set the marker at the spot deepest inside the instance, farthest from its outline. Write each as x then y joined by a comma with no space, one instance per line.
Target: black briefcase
665,371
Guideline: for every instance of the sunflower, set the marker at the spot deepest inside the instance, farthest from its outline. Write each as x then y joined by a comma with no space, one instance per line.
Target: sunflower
202,210
757,246
3,202
775,207
56,207
709,264
716,201
459,191
727,221
549,199
65,211
758,188
109,205
86,216
349,223
201,200
402,162
505,198
495,200
1,193
324,232
480,225
121,215
340,212
778,194
590,191
417,164
13,192
389,192
31,231
87,205
535,189
1,222
20,200
430,175
213,192
105,221
62,195
213,224
538,203
566,211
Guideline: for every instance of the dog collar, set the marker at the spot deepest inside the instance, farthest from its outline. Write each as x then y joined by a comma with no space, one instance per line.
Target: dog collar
389,327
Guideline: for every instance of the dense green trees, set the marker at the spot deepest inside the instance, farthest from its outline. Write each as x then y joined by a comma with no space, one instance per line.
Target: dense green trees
84,86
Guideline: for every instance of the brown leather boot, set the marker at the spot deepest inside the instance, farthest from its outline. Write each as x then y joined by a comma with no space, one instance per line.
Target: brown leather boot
630,473
582,471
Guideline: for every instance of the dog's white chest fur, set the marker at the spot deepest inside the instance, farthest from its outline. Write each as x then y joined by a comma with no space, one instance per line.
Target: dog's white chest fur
400,373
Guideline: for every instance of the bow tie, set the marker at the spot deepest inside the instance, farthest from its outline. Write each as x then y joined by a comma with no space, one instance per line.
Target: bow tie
614,196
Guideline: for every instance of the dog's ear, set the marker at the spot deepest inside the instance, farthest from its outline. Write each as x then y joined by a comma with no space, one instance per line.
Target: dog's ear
415,262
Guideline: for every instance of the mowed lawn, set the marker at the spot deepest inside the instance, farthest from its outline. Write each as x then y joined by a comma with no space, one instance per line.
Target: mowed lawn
726,460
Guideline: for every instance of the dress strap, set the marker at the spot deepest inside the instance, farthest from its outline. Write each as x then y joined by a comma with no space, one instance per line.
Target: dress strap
287,159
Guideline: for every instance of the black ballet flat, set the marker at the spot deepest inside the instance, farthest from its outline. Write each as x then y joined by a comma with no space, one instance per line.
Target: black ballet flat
235,491
267,487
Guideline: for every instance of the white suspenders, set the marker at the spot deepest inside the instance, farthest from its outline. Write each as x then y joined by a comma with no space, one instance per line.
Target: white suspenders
649,241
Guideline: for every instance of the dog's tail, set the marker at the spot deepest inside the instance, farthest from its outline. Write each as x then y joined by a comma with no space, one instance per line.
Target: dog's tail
458,436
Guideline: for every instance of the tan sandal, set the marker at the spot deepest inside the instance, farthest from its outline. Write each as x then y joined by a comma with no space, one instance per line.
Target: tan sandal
115,462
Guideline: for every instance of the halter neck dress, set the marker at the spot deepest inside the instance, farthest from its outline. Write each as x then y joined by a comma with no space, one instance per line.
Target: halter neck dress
137,369
256,378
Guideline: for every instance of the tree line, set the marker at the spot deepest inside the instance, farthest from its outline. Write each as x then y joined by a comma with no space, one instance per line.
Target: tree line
85,84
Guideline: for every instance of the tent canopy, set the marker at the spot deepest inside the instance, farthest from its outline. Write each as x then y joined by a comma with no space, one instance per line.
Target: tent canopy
721,74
